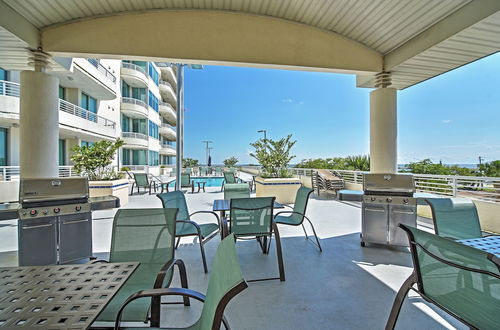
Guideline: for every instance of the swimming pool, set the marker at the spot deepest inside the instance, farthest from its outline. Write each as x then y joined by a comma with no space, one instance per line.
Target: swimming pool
210,181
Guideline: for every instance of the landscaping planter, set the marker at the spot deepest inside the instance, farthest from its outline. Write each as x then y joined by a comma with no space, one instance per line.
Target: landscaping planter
118,188
284,189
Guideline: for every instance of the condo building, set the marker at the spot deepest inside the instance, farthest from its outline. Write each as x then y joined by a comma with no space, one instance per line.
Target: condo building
101,100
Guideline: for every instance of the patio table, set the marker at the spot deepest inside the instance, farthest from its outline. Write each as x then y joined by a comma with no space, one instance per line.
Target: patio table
490,244
59,296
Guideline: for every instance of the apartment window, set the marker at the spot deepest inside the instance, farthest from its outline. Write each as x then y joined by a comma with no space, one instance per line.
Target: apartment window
62,93
153,101
139,157
4,74
139,126
153,158
125,123
89,103
125,89
153,130
153,73
142,64
139,94
3,146
126,156
62,152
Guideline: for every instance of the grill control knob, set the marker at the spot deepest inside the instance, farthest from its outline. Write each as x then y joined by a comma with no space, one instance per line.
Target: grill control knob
78,208
33,212
372,199
405,201
389,199
57,210
45,212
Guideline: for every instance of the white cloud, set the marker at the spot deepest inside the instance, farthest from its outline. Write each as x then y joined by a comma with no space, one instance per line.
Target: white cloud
287,100
446,121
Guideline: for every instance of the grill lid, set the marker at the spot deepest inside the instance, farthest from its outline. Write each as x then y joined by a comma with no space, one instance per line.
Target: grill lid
391,184
53,190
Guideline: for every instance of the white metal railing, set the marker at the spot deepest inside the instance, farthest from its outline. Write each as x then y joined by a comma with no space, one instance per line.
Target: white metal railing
131,100
475,187
167,83
134,135
12,173
133,66
166,104
102,69
85,114
9,88
168,126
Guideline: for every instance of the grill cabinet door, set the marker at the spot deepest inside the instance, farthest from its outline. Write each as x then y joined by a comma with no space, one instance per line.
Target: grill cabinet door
75,237
405,214
37,241
374,223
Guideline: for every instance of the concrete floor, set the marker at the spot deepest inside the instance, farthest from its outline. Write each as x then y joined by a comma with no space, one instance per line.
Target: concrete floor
345,287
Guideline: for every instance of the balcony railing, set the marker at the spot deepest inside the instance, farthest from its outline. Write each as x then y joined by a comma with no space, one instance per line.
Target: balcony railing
102,69
12,173
475,187
168,126
166,104
85,114
134,101
134,135
9,88
167,83
133,66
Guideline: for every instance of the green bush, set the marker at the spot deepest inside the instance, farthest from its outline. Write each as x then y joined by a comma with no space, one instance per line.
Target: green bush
231,161
274,156
189,162
94,161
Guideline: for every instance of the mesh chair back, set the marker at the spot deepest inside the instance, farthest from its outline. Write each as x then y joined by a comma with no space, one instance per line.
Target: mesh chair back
471,294
204,171
236,190
225,281
185,180
177,200
187,170
251,216
229,177
141,179
218,170
456,218
300,205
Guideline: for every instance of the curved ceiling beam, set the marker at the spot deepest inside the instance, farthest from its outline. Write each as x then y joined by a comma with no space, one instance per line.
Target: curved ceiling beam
212,37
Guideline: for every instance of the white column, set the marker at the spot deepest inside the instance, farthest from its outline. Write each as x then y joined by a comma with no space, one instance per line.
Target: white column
39,125
383,130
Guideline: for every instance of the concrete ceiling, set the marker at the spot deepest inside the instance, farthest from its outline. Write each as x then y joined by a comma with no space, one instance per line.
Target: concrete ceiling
417,39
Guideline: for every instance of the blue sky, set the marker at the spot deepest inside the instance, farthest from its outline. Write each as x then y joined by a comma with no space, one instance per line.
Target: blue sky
454,117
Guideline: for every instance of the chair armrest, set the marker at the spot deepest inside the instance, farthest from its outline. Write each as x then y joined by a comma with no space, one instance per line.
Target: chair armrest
211,212
289,212
156,293
192,223
97,261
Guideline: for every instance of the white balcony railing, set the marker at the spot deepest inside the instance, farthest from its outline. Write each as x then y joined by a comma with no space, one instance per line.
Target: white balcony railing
9,88
85,114
163,82
134,101
12,173
475,187
134,135
168,126
166,104
102,69
133,66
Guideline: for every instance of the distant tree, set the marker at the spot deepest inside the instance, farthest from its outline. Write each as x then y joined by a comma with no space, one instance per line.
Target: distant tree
426,166
491,168
190,162
274,156
231,161
359,163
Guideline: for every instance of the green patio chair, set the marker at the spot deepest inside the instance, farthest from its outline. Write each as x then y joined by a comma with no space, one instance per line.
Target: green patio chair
218,171
226,281
229,177
455,218
187,170
146,236
236,190
297,216
186,181
204,171
141,180
185,226
253,217
459,279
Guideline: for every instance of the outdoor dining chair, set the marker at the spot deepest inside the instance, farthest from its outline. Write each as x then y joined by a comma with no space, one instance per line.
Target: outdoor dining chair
186,181
160,182
229,177
146,236
226,281
204,171
298,214
455,218
253,217
459,279
218,171
185,226
236,190
141,180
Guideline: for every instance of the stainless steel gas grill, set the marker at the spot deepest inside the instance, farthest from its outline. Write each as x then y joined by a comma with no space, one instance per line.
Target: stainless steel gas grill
388,201
55,221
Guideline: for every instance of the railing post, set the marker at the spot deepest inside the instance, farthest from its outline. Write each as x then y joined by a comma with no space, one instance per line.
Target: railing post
355,177
455,188
4,173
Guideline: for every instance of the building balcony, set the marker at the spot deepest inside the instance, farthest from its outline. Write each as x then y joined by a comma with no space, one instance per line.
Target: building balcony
167,91
168,73
134,108
167,150
135,140
9,101
134,75
75,118
168,131
168,112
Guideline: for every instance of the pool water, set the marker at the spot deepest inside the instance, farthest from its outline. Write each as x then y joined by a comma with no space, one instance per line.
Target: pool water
210,181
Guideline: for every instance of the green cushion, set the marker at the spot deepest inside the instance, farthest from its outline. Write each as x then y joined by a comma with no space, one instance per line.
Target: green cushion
184,229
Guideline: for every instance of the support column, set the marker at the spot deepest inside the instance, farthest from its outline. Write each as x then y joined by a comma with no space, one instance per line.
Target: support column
180,126
39,121
383,127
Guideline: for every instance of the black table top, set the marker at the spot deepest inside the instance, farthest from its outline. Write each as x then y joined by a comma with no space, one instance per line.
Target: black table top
224,205
60,296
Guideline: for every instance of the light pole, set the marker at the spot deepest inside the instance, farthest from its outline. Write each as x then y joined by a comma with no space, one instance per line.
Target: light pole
207,153
265,134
